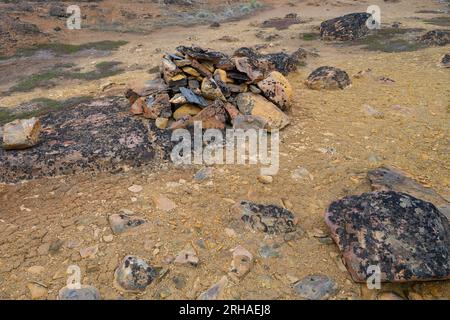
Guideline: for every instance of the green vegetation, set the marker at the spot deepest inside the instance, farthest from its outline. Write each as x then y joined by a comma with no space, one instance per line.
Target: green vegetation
65,49
41,106
439,21
309,36
47,78
391,40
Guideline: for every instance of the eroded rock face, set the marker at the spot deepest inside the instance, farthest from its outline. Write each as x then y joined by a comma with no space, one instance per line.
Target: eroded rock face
270,219
409,239
21,134
436,38
328,78
99,136
134,275
349,27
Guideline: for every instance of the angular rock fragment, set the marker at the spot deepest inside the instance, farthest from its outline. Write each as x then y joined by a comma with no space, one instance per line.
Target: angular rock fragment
249,67
316,287
187,256
445,61
187,109
215,292
21,134
328,78
256,105
270,219
211,90
348,27
407,238
232,111
242,262
282,23
277,89
157,106
193,98
84,293
122,222
134,275
137,107
436,38
202,54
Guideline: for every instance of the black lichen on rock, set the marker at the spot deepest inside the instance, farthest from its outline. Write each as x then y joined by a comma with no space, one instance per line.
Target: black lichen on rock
349,27
408,238
96,136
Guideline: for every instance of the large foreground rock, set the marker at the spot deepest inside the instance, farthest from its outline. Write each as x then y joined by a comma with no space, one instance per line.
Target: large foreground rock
21,134
97,136
409,239
349,27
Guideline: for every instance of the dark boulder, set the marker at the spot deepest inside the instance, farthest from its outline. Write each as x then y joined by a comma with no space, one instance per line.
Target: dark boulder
408,238
96,136
328,78
349,27
436,38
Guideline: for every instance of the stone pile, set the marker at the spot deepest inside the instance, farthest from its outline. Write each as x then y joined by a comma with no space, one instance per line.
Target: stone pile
245,90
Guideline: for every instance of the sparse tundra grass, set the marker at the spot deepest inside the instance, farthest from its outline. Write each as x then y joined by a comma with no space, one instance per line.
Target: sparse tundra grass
48,77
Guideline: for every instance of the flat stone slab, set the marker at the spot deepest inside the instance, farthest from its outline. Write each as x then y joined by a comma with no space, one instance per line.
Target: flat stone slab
98,136
408,238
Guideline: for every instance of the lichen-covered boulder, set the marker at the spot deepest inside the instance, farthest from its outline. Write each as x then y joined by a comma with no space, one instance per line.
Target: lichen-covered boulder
349,27
100,135
436,38
328,78
445,61
134,275
270,219
407,238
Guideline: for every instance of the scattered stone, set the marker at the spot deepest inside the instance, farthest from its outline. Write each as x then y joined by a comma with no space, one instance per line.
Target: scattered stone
135,188
277,89
265,179
256,105
436,38
58,10
134,275
242,262
328,78
84,293
163,203
316,287
409,229
371,111
269,251
179,281
21,134
36,269
348,27
204,174
89,252
445,61
230,232
301,174
187,256
270,219
215,292
122,222
137,107
37,291
108,238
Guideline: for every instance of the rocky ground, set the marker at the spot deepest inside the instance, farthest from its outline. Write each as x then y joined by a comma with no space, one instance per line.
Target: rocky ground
396,114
